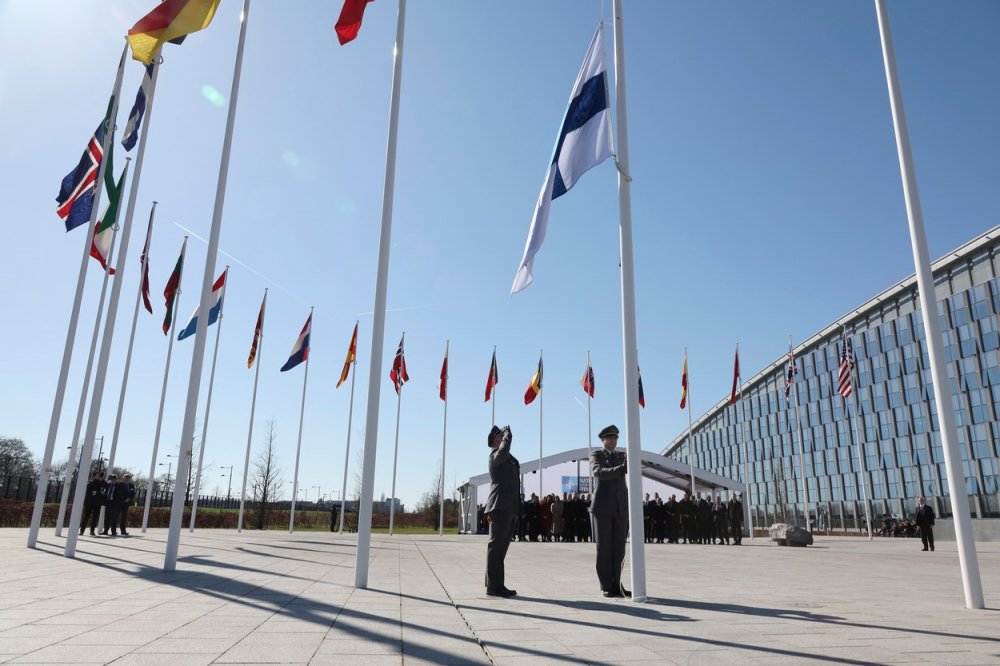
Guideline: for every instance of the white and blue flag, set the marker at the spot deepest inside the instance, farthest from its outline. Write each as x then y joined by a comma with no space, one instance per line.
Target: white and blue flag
214,309
138,109
584,141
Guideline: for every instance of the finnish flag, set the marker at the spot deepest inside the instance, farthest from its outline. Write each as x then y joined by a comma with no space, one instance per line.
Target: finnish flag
584,141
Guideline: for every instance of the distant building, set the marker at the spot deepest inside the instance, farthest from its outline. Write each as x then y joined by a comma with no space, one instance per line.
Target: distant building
898,424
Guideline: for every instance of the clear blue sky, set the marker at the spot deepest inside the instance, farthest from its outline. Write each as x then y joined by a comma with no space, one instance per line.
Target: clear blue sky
766,202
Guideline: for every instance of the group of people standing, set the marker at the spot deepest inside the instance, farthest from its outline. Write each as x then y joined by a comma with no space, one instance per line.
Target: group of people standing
694,519
553,518
116,496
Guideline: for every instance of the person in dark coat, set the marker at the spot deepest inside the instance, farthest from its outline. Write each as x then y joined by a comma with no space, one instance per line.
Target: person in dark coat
925,523
610,511
114,498
704,520
128,499
502,506
720,516
659,517
736,520
672,519
92,502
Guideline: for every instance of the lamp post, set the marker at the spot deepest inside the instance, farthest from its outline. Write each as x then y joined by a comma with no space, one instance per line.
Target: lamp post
170,468
229,491
318,493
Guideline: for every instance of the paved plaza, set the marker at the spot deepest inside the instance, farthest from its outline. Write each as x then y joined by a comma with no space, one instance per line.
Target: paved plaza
271,597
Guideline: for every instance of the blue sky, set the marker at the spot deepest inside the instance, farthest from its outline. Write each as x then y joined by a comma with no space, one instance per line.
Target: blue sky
766,203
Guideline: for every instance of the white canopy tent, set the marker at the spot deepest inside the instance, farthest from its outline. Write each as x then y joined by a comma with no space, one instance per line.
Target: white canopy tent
655,467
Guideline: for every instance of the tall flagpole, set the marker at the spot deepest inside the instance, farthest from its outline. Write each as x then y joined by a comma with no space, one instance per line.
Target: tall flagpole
690,442
590,437
129,212
806,508
100,376
201,335
862,471
163,398
493,393
541,411
347,449
135,314
378,323
298,445
444,445
253,408
637,555
45,469
208,402
82,407
958,493
747,502
395,457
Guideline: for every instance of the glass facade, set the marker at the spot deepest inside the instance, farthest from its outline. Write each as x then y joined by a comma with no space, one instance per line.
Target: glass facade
889,437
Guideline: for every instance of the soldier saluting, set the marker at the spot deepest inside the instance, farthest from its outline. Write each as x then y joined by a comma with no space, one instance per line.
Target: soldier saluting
502,506
610,511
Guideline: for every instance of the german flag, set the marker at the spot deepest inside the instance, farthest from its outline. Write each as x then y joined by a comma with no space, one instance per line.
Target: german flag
171,21
535,387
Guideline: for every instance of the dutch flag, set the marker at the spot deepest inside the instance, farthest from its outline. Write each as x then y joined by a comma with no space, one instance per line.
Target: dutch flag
214,310
300,352
584,142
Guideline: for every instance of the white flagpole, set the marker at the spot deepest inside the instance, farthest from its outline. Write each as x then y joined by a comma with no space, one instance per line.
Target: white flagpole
100,377
163,398
541,410
493,393
82,407
347,449
201,336
967,557
637,555
253,408
129,212
806,507
378,323
298,445
45,469
690,441
747,502
590,437
444,445
208,402
395,457
862,471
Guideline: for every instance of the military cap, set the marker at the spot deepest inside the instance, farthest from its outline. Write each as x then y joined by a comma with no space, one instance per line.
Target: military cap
494,431
608,432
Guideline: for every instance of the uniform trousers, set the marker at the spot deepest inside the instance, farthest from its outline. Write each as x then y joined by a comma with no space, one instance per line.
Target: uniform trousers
610,539
90,514
501,529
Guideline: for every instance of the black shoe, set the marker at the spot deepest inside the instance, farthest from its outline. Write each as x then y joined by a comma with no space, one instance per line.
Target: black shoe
932,548
611,594
92,533
124,533
498,593
924,548
81,532
625,593
510,592
104,533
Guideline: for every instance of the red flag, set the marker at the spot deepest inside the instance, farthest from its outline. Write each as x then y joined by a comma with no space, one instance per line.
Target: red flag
493,379
398,373
349,23
443,384
736,376
352,356
145,273
587,382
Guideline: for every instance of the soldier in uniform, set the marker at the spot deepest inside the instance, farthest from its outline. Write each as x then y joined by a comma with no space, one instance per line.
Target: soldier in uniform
128,499
736,520
610,511
502,505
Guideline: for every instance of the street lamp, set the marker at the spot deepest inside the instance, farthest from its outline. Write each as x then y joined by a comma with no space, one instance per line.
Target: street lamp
230,475
170,468
318,493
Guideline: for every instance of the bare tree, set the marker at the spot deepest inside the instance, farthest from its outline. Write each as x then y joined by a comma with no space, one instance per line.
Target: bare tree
429,504
15,458
267,478
358,476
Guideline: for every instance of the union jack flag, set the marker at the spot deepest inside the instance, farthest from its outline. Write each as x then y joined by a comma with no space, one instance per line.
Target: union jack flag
844,385
790,375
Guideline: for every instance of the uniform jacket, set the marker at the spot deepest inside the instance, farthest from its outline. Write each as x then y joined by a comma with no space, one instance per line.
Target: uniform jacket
505,479
925,516
95,492
610,496
129,493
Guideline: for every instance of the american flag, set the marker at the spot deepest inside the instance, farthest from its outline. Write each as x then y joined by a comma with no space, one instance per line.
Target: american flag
792,370
844,386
